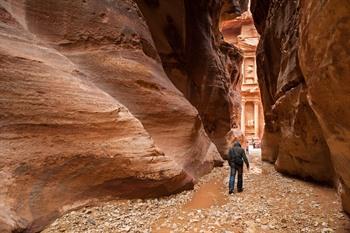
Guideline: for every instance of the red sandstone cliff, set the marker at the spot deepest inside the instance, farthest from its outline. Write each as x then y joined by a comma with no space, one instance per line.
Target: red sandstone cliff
87,112
303,71
197,60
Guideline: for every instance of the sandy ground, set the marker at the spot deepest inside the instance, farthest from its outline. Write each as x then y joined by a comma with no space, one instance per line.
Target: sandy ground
270,202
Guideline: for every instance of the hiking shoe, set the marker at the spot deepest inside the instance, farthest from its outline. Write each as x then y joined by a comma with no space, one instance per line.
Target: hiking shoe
240,190
230,192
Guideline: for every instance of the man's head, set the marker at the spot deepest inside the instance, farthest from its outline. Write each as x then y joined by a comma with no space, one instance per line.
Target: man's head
237,144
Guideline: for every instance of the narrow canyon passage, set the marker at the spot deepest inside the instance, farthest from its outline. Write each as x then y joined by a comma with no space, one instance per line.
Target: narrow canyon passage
270,202
118,115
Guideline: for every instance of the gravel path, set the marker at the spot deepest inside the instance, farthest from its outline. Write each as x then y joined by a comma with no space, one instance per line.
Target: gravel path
270,203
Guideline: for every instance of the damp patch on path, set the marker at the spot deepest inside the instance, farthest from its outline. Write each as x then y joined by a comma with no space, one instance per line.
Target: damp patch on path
270,202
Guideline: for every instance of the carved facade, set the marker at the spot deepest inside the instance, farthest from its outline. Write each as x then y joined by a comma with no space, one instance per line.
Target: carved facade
242,33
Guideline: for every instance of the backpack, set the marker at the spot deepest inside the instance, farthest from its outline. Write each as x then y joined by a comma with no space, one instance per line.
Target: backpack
234,158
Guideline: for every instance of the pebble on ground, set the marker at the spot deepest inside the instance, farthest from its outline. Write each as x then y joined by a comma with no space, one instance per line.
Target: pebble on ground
270,202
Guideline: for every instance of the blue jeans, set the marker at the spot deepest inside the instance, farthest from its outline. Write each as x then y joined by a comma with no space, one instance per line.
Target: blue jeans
236,169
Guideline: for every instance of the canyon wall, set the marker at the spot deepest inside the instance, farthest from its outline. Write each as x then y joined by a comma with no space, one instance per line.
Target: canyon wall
87,112
303,72
197,60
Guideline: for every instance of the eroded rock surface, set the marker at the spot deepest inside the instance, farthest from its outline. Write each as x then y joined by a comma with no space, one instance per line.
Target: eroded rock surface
324,59
197,60
88,113
303,59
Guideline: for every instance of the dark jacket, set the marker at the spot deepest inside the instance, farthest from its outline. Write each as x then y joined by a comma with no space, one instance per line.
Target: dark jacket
240,152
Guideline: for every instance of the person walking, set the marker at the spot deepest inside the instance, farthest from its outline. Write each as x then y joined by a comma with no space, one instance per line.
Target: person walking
236,157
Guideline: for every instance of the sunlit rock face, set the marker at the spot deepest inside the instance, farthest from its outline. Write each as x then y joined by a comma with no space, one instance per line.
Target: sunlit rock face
87,112
303,59
197,60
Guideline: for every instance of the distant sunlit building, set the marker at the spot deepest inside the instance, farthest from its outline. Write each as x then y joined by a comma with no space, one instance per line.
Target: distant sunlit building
242,33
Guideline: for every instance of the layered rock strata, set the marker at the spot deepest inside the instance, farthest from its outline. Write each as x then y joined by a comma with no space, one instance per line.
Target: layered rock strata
198,61
88,113
303,59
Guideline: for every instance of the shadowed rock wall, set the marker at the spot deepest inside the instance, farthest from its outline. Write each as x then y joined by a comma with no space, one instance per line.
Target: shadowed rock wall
197,60
303,72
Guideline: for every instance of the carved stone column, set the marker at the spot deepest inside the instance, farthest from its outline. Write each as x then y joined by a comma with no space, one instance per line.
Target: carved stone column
255,72
256,119
243,117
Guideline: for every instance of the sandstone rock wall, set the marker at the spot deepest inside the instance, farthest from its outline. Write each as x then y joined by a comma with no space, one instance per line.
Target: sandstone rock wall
324,59
303,71
197,60
87,112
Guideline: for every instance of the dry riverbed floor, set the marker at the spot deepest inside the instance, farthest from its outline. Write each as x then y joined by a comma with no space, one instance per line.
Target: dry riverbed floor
270,202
